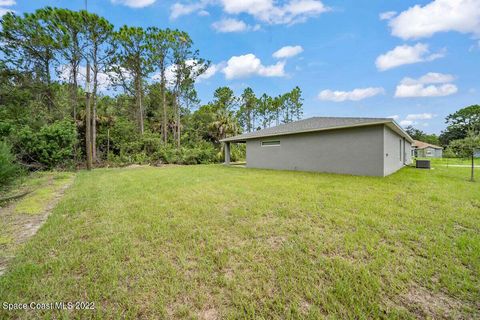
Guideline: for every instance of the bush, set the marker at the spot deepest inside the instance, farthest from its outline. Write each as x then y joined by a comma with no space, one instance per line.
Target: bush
9,169
51,146
201,153
238,151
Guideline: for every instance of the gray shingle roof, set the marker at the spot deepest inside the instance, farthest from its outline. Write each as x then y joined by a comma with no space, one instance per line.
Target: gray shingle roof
313,124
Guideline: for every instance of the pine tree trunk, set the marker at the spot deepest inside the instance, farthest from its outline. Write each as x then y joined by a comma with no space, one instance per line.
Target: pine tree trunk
49,85
94,114
74,89
472,178
178,121
108,143
94,127
88,121
139,105
164,105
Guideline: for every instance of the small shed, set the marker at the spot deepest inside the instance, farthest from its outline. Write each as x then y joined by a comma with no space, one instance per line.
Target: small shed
422,149
357,146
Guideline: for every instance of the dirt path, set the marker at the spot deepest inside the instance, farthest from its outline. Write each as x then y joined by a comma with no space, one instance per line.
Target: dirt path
18,227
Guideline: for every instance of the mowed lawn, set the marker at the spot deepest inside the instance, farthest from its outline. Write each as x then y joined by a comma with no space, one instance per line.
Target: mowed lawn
212,242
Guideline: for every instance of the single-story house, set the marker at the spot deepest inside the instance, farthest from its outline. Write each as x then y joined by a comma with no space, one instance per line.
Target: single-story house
357,146
426,150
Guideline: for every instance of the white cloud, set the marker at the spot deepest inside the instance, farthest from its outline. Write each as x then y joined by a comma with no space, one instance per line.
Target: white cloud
233,25
274,70
416,119
249,65
438,16
104,79
287,52
7,3
178,9
354,95
430,85
435,77
171,69
134,3
419,116
236,67
267,11
406,54
203,13
387,15
394,117
420,90
211,71
4,11
406,123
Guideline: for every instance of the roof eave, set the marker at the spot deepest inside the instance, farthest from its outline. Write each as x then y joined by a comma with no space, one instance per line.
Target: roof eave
401,131
244,139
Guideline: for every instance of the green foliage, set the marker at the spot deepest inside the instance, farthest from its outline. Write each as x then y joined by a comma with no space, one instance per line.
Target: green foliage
238,152
35,100
9,169
422,136
466,147
460,122
53,145
129,147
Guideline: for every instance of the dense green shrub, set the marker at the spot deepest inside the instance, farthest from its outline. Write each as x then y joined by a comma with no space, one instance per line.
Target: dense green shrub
51,146
200,153
9,169
127,146
238,151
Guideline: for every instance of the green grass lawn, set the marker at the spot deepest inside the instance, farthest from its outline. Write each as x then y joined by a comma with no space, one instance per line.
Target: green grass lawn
213,242
453,161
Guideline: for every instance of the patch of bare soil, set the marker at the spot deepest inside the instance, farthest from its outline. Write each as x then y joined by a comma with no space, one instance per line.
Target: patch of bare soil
21,227
425,304
209,314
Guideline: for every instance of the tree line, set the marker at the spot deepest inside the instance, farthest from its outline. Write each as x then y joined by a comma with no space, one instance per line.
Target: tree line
143,105
461,137
459,124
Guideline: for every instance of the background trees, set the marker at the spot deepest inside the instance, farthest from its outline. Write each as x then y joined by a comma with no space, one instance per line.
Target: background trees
418,134
460,123
131,65
467,148
144,106
100,48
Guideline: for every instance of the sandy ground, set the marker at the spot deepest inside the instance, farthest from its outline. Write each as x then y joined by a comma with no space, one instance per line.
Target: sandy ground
21,227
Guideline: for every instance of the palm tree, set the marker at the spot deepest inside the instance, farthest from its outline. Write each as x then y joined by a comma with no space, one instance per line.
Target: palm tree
224,125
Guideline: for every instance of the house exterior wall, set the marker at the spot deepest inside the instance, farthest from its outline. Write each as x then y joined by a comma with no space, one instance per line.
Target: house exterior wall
357,151
408,152
397,151
429,153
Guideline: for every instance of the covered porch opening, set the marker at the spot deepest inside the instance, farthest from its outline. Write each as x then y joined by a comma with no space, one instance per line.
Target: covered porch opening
227,148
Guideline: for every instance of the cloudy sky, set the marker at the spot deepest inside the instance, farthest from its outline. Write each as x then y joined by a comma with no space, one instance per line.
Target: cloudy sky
416,61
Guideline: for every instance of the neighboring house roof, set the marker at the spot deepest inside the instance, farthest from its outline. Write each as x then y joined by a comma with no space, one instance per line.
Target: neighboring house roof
422,145
318,124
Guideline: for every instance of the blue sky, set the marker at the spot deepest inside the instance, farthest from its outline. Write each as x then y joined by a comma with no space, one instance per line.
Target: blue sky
415,60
